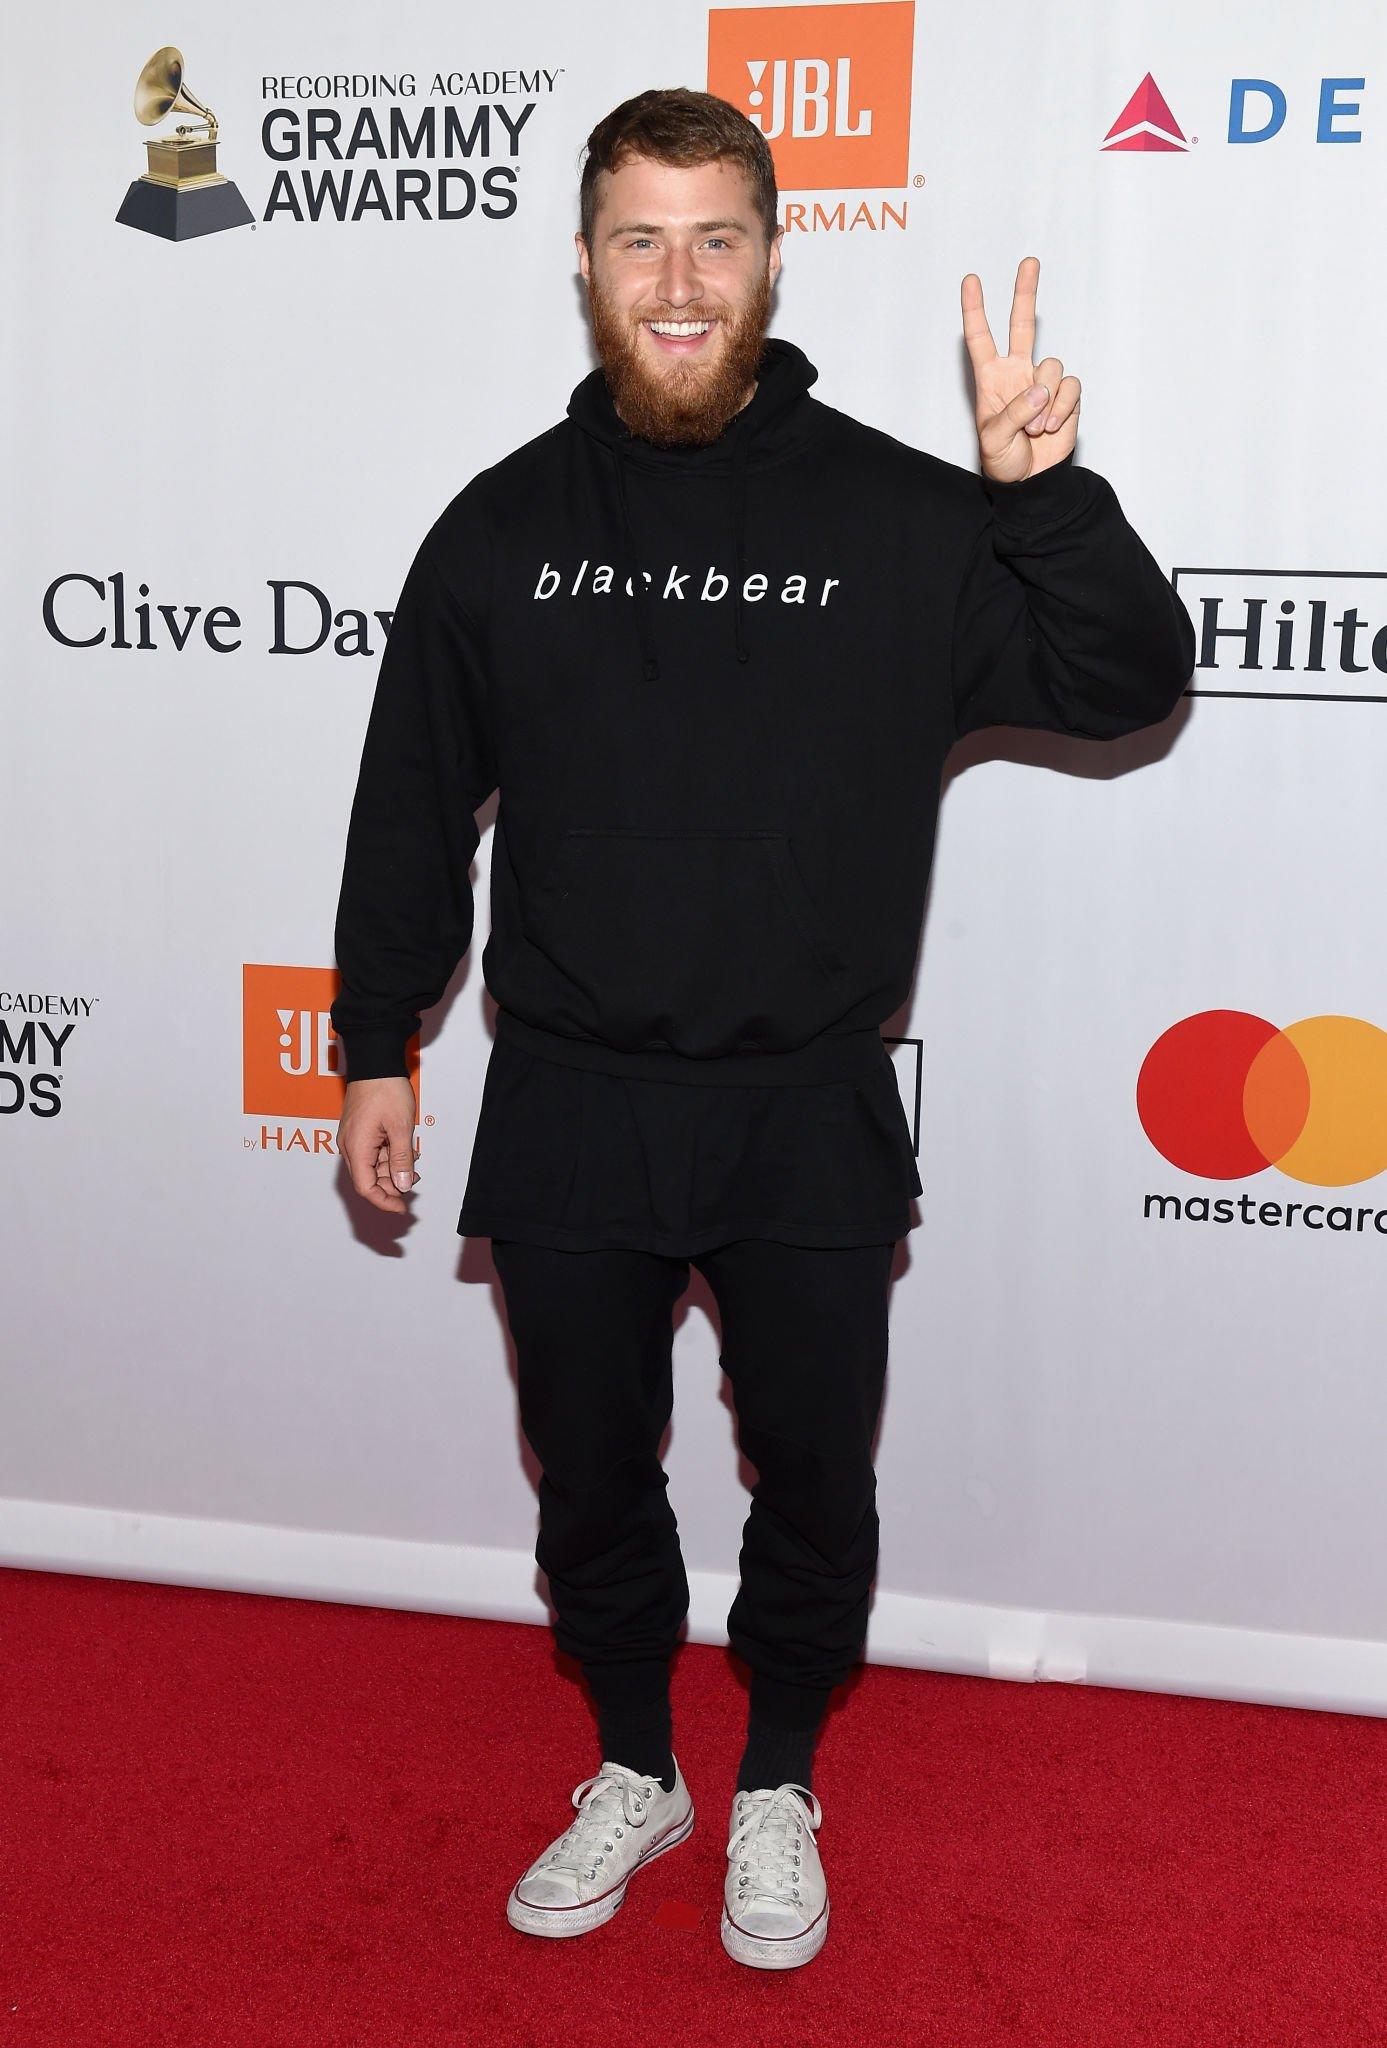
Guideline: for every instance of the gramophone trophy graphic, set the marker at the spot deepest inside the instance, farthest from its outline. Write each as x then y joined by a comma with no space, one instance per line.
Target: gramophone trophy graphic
182,194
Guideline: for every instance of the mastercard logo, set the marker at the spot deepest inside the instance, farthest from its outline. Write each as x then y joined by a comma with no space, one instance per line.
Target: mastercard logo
1224,1094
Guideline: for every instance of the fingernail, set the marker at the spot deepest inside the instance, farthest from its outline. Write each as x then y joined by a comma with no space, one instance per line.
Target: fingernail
1037,394
404,1182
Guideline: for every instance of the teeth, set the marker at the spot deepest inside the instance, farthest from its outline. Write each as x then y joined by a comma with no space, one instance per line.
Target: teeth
679,327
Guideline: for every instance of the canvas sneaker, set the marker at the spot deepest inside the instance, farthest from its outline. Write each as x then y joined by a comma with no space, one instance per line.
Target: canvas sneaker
625,1819
775,1897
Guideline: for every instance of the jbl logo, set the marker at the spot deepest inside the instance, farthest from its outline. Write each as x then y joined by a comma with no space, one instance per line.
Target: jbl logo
829,88
306,1044
815,106
292,1063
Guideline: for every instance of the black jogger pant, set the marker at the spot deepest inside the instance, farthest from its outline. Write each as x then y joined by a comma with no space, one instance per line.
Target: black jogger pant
804,1342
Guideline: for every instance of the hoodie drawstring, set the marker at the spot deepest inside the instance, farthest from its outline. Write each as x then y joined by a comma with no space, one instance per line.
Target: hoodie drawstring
740,451
741,448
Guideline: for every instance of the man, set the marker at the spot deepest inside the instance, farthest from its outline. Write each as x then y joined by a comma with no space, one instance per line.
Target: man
712,640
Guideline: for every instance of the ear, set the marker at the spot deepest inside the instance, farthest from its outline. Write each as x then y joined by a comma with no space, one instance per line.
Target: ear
581,249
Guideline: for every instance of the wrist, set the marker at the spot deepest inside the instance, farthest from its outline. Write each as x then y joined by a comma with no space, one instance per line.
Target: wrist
1044,494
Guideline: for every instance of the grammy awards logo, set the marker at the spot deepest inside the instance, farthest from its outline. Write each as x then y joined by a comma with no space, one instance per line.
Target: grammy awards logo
182,193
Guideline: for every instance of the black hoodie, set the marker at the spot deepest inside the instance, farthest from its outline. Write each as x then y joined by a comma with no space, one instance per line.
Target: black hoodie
718,785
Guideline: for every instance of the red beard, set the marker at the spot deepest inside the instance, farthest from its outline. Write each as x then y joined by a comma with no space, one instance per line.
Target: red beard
689,402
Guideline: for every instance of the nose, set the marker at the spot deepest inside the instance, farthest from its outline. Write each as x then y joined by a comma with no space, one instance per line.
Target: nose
679,277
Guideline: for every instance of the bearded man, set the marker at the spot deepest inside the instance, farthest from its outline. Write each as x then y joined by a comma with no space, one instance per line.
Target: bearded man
712,639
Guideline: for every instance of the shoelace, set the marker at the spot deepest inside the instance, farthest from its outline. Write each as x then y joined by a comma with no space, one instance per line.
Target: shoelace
597,1822
766,1843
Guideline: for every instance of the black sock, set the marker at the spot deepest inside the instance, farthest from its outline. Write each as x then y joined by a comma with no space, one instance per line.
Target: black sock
783,1728
647,1752
633,1717
776,1756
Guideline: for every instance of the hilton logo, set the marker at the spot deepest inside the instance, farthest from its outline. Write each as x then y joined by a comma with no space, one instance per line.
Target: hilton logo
1306,633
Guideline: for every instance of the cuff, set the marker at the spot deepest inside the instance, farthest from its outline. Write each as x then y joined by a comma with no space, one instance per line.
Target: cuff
1036,500
374,1052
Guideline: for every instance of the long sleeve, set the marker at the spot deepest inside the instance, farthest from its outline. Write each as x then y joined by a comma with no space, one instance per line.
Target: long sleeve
1064,619
405,912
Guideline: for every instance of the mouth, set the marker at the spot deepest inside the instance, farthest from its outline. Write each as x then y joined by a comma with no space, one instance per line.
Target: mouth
679,337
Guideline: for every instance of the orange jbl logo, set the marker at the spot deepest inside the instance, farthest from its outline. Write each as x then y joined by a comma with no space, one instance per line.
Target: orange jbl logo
829,87
293,1063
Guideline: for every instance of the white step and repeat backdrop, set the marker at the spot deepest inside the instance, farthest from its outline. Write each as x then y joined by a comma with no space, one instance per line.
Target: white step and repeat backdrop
1136,1407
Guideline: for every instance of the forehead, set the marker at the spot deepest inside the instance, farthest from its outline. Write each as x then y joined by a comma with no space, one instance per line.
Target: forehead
674,195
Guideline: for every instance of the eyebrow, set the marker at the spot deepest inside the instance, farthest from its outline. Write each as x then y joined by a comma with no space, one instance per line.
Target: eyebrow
650,227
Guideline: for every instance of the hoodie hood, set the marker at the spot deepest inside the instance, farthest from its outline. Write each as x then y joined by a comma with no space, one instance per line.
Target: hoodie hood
760,432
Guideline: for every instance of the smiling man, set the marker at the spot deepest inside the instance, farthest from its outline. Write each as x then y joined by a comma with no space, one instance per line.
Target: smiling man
713,640
680,295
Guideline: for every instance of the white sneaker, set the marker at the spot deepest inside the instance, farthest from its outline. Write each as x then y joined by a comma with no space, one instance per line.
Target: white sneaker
775,1898
625,1819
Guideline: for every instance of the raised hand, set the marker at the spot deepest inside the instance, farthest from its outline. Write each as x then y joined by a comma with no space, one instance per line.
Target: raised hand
1018,435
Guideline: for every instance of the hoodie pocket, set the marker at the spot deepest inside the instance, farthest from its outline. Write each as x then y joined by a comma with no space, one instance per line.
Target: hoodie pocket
707,942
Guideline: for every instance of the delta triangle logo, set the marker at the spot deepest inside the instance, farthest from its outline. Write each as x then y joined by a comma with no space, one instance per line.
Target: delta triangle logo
1146,122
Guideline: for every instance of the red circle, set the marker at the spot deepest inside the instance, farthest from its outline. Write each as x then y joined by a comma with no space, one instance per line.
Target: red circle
1190,1094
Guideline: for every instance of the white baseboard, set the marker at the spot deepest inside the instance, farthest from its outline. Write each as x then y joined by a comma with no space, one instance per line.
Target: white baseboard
1270,1666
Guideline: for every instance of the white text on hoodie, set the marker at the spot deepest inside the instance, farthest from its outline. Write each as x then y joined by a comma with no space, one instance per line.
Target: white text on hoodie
794,590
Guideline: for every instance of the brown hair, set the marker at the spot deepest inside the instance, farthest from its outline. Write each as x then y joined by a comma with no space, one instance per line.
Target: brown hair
676,125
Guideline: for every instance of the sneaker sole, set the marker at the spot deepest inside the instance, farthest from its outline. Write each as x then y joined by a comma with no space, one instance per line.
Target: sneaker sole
562,1922
774,1952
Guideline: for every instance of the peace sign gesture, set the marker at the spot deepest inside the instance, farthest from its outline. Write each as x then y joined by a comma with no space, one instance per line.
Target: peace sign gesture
1018,435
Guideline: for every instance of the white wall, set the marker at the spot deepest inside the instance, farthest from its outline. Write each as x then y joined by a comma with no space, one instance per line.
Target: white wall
1135,1450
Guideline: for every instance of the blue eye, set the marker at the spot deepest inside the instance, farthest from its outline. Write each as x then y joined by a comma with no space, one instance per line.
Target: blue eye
636,242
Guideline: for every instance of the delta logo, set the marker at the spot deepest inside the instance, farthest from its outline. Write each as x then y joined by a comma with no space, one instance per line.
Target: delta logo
829,88
293,1066
1146,122
1225,1094
1257,110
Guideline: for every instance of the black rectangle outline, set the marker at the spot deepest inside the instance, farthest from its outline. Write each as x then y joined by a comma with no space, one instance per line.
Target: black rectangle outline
919,1045
1286,696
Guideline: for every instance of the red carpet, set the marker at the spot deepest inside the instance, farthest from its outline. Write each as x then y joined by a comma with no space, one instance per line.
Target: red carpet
230,1821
